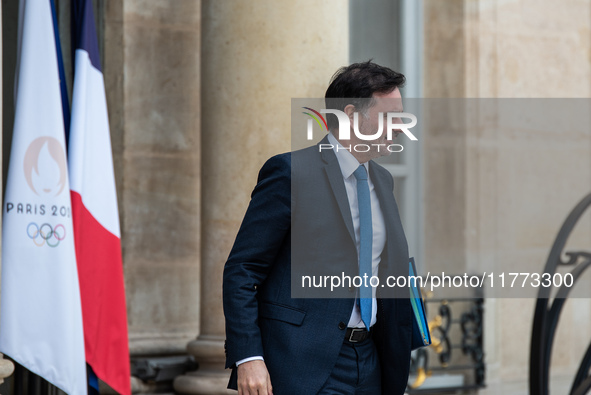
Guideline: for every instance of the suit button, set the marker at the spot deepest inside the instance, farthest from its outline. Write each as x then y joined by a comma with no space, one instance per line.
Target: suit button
342,325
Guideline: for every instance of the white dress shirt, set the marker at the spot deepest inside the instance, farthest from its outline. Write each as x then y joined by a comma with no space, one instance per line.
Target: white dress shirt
348,165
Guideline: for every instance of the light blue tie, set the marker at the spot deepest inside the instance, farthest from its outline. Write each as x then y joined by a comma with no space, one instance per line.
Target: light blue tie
365,242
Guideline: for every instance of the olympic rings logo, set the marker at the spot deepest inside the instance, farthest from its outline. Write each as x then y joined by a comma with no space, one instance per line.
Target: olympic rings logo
46,234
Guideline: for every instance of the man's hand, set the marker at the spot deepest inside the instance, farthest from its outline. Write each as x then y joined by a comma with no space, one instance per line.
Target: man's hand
253,379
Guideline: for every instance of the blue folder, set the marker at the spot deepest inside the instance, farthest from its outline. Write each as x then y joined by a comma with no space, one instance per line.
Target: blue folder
421,335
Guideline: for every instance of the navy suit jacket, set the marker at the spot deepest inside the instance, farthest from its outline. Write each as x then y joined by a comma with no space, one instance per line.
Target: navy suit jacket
300,198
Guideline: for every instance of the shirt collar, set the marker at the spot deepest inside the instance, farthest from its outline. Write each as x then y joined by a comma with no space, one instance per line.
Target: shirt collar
347,161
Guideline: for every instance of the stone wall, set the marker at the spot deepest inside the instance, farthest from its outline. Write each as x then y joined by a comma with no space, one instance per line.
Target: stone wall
496,197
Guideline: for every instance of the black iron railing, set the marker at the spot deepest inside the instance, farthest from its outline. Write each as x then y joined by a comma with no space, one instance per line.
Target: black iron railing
457,335
548,310
23,381
157,372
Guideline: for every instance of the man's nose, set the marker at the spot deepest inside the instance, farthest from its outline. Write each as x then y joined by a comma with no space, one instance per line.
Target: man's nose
395,131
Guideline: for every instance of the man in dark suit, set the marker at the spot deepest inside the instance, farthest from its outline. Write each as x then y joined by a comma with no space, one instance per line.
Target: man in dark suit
324,210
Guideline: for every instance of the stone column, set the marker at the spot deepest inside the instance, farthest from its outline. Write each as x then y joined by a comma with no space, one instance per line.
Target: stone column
151,58
256,56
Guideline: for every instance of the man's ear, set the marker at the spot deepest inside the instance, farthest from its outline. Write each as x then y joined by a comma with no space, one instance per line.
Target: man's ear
349,110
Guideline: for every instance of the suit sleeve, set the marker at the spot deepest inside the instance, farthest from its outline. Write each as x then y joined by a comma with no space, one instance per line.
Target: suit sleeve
264,229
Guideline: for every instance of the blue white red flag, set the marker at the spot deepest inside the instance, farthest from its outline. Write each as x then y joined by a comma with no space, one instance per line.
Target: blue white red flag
94,208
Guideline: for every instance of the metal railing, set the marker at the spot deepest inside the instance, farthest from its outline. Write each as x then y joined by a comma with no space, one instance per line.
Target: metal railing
457,340
24,382
548,310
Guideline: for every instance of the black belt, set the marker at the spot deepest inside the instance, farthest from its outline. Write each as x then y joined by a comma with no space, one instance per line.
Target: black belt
357,335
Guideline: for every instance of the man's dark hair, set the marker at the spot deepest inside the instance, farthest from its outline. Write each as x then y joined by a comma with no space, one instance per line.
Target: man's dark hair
359,81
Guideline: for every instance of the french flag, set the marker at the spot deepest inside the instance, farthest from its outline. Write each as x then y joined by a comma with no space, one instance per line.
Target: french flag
94,209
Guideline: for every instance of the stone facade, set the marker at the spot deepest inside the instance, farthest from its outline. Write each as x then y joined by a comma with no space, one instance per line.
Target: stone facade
497,196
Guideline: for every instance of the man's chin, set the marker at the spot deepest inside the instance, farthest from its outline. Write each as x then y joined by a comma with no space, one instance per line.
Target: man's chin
375,154
385,152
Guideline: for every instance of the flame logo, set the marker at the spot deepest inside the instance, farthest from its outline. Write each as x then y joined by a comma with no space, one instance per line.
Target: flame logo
45,166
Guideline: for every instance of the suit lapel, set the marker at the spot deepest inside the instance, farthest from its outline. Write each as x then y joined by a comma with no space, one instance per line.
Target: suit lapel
387,204
337,184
